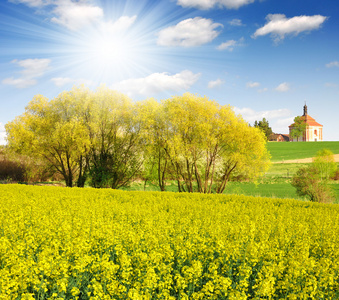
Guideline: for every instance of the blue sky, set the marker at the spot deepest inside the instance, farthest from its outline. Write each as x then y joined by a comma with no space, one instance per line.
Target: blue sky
266,58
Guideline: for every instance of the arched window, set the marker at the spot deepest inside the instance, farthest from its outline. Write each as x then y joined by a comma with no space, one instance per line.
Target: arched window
315,132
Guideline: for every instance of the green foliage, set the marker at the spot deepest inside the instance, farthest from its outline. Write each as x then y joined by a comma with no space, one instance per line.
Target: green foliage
202,144
52,131
312,181
116,151
106,138
308,182
264,127
81,133
324,162
299,127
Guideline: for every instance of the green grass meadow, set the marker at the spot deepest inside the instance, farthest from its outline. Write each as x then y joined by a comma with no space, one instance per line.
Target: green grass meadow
297,150
276,182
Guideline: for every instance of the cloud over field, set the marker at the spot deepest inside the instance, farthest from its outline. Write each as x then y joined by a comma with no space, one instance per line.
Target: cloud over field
189,33
278,25
208,4
157,82
215,83
31,69
332,64
62,81
283,87
278,119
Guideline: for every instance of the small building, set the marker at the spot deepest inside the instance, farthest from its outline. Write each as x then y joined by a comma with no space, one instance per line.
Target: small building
279,137
313,132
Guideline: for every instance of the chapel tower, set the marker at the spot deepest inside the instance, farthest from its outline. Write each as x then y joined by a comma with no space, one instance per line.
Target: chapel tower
313,132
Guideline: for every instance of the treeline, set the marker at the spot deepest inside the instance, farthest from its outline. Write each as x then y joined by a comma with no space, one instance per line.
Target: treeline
104,139
16,167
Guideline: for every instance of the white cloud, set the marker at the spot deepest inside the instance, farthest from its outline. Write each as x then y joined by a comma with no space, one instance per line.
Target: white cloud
229,45
215,83
61,81
32,3
332,64
76,15
32,69
189,33
119,26
278,25
252,85
283,87
236,22
208,4
285,122
251,115
279,119
263,90
19,83
157,82
2,134
281,125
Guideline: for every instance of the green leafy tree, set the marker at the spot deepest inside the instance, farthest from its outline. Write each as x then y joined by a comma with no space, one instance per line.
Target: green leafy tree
82,133
116,153
264,126
307,182
155,134
52,131
205,144
312,181
299,127
325,163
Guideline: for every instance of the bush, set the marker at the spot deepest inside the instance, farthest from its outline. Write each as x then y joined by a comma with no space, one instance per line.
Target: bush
308,183
335,176
324,162
12,171
16,167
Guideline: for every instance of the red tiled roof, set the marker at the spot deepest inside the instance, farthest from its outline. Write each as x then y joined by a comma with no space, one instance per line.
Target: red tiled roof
309,121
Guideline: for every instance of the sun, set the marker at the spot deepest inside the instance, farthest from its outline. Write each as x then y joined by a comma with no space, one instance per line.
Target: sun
109,51
114,51
107,57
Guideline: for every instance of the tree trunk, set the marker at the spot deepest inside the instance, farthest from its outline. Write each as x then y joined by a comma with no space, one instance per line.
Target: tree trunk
83,166
69,182
198,178
161,174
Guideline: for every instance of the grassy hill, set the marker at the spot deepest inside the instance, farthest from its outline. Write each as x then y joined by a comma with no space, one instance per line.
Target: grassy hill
298,150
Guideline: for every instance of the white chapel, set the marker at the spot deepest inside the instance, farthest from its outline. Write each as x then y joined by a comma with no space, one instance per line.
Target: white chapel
314,130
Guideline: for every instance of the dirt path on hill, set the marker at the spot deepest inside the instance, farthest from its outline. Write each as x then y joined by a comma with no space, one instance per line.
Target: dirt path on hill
302,160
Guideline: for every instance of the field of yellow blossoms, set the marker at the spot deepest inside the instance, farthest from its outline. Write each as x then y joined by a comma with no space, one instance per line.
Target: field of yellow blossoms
63,243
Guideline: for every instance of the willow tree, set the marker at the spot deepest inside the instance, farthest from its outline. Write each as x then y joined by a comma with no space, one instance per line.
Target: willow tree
81,133
53,131
206,144
155,134
116,144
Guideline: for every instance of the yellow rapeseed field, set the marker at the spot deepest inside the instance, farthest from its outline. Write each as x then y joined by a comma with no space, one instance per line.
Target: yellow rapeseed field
63,243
